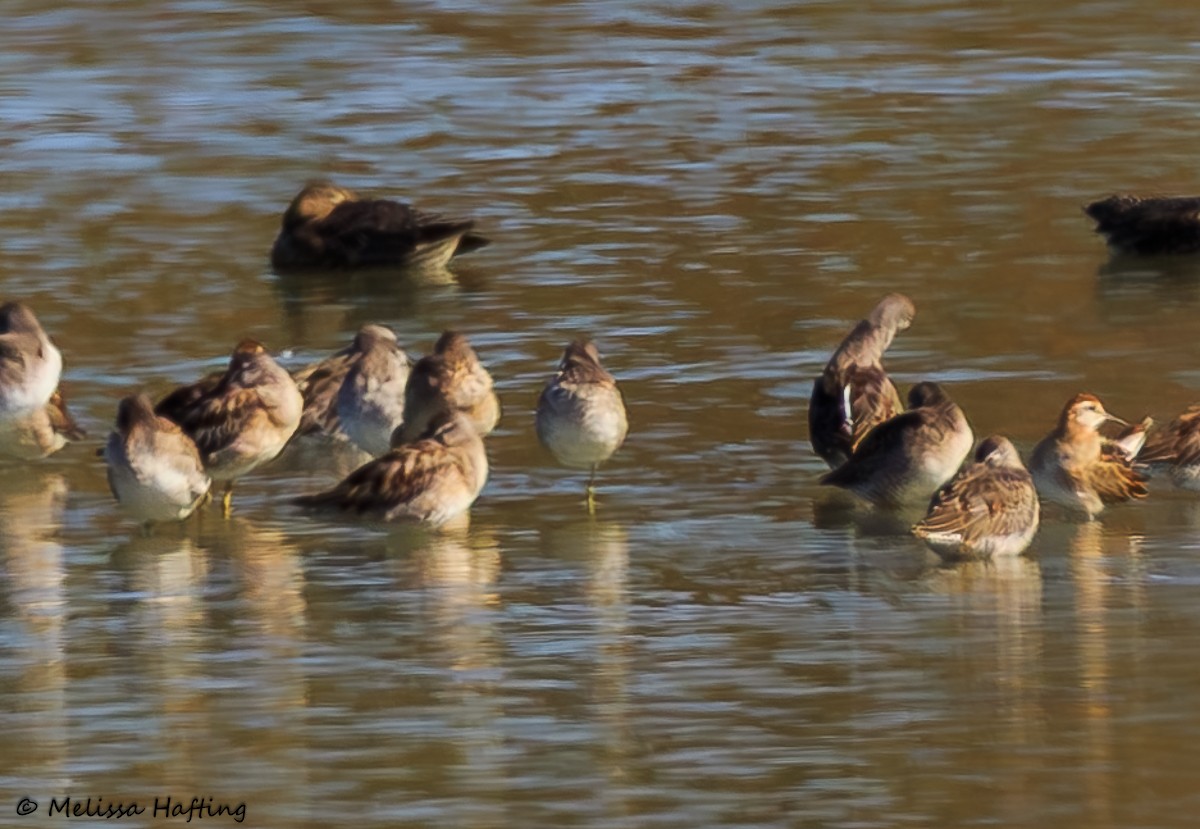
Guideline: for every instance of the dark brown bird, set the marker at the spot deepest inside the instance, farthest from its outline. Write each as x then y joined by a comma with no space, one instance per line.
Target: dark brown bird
854,393
1175,449
320,382
1077,467
989,508
327,227
431,480
449,379
1148,226
906,459
242,420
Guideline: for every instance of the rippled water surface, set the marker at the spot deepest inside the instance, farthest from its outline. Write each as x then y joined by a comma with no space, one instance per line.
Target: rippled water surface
716,193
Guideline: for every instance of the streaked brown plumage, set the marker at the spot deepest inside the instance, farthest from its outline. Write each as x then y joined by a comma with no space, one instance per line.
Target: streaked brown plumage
451,378
327,226
431,480
1175,449
906,459
154,470
1148,226
989,508
243,420
580,415
854,393
1077,467
319,382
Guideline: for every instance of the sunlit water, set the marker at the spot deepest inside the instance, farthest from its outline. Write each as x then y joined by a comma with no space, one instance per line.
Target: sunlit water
716,194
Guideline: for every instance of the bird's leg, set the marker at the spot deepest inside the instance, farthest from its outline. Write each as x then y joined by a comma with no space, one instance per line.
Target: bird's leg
591,492
227,500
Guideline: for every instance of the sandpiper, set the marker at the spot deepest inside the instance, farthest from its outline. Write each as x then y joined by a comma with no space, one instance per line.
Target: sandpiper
327,226
906,459
1148,226
581,415
1078,468
370,402
154,469
1175,449
989,508
320,382
854,393
431,480
30,364
451,378
241,421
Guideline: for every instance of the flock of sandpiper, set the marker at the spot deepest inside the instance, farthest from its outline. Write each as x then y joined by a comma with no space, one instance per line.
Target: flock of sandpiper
423,423
891,456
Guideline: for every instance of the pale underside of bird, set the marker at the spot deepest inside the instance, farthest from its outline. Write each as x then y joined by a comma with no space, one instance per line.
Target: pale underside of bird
154,470
580,416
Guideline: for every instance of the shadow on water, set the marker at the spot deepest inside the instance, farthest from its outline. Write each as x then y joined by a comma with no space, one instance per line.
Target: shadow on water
1132,287
368,295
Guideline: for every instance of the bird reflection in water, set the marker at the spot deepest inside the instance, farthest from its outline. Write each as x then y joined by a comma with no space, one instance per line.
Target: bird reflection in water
33,590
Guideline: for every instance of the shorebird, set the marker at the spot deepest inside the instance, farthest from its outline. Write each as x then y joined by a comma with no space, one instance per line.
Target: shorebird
453,379
906,459
581,415
431,480
320,382
154,469
370,402
240,421
1077,467
30,364
1175,449
854,393
989,508
327,226
1148,226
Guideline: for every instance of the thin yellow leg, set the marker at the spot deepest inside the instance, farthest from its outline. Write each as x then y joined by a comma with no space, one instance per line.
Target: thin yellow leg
591,492
227,500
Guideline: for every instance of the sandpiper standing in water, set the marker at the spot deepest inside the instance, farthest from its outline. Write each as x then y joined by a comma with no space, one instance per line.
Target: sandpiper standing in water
154,469
320,382
581,415
906,459
989,508
327,226
431,480
370,402
1148,226
854,393
449,379
34,421
1080,469
241,421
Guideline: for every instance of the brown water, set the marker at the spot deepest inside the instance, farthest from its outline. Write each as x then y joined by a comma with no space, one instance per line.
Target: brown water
716,194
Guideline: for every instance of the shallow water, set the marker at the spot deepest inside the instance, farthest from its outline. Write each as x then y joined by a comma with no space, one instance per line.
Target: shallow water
716,194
